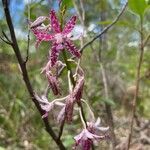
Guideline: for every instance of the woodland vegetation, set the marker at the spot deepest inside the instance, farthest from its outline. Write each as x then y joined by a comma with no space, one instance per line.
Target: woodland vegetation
102,71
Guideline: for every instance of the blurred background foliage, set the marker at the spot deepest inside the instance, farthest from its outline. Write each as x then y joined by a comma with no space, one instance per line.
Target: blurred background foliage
20,123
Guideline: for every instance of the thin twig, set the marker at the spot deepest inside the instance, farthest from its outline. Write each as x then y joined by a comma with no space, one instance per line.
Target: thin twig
25,75
6,37
105,29
28,36
137,85
9,43
28,46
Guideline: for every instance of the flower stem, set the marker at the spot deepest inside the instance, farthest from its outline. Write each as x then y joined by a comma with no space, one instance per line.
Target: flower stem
82,120
68,67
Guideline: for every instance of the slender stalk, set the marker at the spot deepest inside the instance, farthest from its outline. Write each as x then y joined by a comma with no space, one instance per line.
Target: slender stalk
22,64
137,83
28,36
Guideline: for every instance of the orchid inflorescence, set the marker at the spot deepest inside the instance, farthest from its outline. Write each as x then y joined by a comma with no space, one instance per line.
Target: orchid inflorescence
62,39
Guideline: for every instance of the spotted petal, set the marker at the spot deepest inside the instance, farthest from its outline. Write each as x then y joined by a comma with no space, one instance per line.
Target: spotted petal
53,83
72,49
54,22
54,53
69,25
69,108
41,35
78,90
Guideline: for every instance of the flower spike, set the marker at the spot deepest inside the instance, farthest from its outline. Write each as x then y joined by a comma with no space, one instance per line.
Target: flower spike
60,39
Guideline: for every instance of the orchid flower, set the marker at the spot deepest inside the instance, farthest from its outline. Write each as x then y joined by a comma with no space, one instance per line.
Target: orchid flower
85,139
49,106
74,96
60,38
45,105
69,108
50,73
78,89
61,115
95,128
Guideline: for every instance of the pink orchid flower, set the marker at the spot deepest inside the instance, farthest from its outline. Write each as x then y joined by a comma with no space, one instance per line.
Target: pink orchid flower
48,106
61,38
69,105
50,73
45,105
85,139
96,128
74,96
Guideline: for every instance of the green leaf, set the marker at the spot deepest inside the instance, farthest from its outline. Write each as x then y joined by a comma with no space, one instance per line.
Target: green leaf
138,6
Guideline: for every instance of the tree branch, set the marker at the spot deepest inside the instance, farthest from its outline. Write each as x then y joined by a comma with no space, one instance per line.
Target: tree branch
105,29
6,40
25,75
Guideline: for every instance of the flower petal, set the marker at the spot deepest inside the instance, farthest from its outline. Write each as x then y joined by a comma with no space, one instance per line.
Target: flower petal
79,136
69,25
69,108
78,90
54,22
61,115
37,43
54,54
98,121
72,49
103,129
42,35
54,84
38,21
